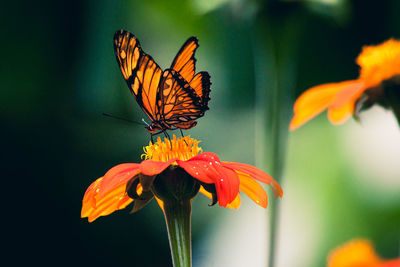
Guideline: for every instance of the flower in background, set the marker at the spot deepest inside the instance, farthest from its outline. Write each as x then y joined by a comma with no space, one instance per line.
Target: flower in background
378,82
164,161
358,253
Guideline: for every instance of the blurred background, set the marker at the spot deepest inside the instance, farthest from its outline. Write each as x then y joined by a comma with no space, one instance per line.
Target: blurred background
59,74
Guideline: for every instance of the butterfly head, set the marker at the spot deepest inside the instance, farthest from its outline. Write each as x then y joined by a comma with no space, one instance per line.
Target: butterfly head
155,127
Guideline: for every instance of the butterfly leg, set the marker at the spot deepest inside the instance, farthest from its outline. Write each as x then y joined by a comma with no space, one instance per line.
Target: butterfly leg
154,134
183,136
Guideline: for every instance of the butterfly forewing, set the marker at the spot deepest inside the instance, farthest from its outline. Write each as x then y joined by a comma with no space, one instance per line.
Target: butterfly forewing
140,71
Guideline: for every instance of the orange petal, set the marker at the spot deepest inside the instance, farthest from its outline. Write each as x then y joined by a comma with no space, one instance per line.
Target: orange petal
95,204
150,167
350,91
118,175
317,99
343,105
253,189
235,204
257,174
89,199
390,263
340,115
207,167
354,253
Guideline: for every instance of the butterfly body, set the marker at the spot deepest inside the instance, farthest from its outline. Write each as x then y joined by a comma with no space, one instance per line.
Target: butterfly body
173,98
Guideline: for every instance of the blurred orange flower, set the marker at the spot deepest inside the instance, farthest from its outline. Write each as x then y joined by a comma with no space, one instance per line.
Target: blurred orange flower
132,182
358,253
379,64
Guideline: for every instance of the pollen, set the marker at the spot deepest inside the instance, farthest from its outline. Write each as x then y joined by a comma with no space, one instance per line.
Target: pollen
182,148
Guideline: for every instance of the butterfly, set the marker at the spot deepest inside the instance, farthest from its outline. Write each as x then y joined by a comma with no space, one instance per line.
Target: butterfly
173,98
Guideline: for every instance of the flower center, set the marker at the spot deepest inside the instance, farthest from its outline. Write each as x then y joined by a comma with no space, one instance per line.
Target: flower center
182,148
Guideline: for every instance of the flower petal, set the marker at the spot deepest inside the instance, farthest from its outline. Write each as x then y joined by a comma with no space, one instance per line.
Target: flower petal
358,252
89,199
317,99
235,204
150,167
342,106
349,91
253,189
257,174
96,203
227,186
200,168
118,175
207,167
390,263
340,115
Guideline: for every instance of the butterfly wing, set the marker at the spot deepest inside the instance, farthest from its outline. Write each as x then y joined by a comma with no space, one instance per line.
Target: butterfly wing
141,72
179,104
185,64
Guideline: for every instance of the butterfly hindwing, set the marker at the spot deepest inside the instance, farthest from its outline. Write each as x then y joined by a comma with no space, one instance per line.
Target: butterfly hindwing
180,105
140,71
185,64
201,85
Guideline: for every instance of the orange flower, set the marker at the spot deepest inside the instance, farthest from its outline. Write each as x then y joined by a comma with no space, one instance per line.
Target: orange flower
358,253
132,182
379,64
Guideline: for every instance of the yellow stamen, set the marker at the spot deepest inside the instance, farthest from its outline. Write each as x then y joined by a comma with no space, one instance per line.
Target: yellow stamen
182,148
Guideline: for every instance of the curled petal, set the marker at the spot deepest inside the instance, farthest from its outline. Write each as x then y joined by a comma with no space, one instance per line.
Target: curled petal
207,168
235,204
118,175
227,186
150,167
200,168
257,174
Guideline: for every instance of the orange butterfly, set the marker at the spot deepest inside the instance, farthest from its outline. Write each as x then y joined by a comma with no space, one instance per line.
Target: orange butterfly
173,98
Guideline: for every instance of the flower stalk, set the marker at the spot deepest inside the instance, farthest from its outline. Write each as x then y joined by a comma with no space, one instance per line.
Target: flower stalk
177,216
176,189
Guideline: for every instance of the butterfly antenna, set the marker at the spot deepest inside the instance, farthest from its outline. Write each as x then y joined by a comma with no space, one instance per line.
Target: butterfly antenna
123,119
145,122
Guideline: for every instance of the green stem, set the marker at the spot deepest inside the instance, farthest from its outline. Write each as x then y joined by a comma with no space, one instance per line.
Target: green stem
177,216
